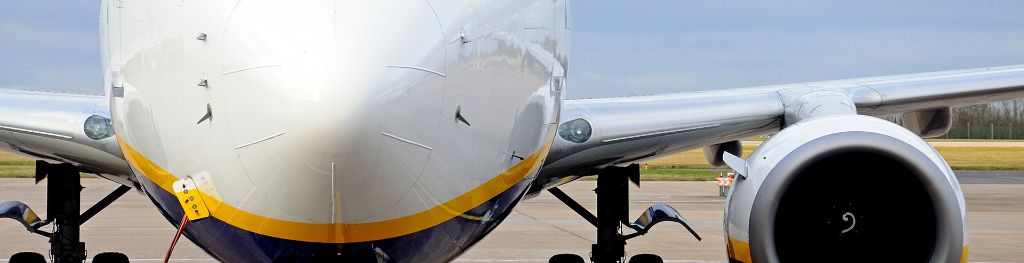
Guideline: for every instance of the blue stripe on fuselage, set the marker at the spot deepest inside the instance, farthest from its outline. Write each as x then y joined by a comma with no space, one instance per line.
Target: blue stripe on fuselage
440,243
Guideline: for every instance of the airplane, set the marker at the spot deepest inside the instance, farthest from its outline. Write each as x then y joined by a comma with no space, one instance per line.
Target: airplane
406,131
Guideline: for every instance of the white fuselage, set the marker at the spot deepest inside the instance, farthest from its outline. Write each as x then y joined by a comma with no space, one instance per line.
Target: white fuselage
332,124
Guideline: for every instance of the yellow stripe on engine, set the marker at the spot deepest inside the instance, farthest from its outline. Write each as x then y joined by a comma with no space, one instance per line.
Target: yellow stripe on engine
346,233
963,257
739,250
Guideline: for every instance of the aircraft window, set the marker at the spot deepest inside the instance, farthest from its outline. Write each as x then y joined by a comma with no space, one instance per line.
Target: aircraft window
577,130
98,127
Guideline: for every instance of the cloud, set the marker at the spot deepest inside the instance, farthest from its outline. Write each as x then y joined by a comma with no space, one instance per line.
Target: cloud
628,85
714,45
632,48
50,45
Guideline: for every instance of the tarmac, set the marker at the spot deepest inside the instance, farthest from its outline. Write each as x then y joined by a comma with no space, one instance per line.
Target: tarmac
537,229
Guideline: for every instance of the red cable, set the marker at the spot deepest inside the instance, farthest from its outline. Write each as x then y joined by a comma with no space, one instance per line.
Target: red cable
181,228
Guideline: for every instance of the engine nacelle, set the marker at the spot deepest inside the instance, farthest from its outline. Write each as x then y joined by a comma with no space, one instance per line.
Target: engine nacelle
849,189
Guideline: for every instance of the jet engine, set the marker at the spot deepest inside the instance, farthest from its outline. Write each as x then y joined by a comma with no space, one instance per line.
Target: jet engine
845,188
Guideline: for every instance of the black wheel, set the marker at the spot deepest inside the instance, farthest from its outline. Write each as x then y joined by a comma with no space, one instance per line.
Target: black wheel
28,257
110,257
566,258
646,258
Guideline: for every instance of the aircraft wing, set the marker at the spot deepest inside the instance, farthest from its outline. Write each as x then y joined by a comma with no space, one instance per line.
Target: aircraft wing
630,129
62,128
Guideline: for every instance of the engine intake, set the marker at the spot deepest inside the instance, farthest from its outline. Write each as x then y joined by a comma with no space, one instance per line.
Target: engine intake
846,189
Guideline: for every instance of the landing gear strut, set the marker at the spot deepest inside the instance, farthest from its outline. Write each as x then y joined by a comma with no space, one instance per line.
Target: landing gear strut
63,199
63,207
612,212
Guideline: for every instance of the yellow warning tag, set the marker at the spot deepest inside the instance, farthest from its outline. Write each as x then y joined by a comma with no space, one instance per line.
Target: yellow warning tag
190,199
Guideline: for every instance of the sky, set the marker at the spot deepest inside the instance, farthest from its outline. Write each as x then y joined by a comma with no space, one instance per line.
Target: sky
623,48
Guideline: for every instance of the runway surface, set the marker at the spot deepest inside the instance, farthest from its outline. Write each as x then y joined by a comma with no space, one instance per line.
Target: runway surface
538,228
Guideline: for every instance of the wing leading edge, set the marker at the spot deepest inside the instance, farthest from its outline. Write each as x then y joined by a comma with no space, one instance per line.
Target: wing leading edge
631,129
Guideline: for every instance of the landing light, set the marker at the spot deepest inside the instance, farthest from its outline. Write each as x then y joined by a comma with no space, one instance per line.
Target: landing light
577,130
98,127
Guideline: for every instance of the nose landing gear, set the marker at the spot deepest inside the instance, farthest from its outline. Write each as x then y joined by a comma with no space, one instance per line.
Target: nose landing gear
612,211
63,206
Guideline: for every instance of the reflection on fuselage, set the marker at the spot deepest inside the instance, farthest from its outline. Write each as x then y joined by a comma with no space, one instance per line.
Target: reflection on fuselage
333,126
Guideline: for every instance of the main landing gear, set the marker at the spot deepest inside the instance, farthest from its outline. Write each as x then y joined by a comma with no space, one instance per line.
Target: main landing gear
63,206
612,212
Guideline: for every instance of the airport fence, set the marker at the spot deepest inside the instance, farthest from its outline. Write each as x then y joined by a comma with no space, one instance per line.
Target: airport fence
996,121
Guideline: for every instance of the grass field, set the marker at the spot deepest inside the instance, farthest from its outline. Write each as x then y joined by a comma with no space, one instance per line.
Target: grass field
984,158
971,140
16,166
674,175
690,165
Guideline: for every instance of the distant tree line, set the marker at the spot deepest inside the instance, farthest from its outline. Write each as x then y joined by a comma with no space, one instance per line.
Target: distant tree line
999,120
1002,120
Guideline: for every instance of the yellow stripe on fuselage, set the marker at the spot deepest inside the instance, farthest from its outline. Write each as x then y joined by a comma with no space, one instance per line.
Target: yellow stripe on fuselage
345,233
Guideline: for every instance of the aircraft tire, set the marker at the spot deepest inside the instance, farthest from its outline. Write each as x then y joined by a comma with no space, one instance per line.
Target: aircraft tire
566,258
646,258
28,257
110,257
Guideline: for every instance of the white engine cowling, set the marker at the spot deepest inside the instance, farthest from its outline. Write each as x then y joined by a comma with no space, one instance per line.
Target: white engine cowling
850,189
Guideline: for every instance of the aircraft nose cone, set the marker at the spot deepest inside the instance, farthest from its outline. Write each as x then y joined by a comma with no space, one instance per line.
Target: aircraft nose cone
321,107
